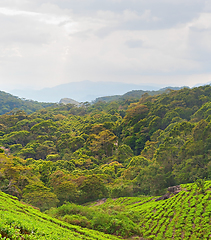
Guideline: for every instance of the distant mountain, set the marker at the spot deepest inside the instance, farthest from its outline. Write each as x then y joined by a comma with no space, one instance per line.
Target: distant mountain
80,91
9,102
69,101
202,84
135,94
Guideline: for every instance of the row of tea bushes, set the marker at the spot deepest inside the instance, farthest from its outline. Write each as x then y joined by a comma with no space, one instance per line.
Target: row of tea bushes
20,221
186,215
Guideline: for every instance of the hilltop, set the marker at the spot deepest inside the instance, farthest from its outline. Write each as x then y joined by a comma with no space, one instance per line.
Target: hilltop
135,94
80,91
69,101
8,102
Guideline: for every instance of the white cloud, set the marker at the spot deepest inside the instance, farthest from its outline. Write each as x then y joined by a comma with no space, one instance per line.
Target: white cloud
45,18
46,43
203,22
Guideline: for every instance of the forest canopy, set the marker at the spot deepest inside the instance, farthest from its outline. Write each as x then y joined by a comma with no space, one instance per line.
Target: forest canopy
120,148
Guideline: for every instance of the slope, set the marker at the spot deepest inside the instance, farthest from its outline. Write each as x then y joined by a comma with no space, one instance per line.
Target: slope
19,221
186,215
136,94
9,102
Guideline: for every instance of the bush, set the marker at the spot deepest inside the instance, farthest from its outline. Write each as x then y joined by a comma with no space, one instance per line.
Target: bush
77,220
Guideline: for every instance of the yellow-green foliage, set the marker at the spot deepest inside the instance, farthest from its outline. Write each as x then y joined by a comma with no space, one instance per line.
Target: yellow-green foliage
186,215
20,221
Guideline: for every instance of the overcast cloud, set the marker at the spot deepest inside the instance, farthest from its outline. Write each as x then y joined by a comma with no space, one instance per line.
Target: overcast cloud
47,43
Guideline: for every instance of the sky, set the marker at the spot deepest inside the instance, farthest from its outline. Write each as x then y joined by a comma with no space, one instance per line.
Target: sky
161,42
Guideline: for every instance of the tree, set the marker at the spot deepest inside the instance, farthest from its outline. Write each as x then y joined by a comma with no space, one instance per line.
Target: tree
21,137
39,196
123,153
103,143
66,191
136,113
64,187
200,183
93,188
46,126
13,176
75,143
151,180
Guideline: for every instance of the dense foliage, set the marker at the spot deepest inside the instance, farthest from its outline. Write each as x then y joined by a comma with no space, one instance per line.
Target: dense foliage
116,149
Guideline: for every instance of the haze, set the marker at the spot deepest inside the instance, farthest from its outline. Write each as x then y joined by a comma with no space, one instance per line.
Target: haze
154,42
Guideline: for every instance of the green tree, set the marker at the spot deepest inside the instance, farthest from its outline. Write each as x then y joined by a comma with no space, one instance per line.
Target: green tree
103,143
39,196
93,188
124,152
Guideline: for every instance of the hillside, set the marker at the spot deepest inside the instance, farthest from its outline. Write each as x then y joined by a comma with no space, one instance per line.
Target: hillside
80,154
20,221
185,215
106,150
134,94
9,102
69,101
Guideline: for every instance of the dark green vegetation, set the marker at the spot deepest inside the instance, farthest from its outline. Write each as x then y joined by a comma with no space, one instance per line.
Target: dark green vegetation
18,221
123,148
9,102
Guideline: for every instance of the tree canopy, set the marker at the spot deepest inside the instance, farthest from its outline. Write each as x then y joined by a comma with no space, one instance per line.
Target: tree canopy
120,148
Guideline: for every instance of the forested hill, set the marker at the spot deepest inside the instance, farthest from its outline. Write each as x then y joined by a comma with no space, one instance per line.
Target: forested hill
115,149
9,102
135,94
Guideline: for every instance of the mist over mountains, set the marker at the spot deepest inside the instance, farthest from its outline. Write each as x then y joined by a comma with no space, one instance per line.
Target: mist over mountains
80,91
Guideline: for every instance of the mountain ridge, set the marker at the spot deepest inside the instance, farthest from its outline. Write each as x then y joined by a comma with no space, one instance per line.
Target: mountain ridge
135,94
80,91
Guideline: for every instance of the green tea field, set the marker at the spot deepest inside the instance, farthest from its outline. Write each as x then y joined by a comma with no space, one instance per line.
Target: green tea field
186,215
19,221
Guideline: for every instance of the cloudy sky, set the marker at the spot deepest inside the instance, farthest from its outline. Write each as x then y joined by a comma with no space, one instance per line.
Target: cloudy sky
47,43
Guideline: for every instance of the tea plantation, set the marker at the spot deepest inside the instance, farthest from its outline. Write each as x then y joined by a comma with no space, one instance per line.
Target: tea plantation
20,221
186,215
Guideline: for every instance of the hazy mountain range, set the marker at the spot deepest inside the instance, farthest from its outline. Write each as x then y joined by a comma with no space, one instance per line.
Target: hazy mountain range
80,91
